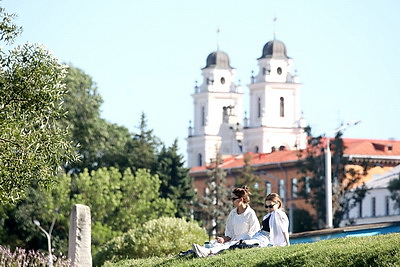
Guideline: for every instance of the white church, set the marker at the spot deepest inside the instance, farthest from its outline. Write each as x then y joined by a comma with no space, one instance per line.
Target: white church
274,121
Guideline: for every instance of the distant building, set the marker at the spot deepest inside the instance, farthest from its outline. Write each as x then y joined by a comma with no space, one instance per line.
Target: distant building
377,206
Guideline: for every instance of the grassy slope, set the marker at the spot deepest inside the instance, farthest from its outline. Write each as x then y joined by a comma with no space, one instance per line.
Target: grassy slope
382,250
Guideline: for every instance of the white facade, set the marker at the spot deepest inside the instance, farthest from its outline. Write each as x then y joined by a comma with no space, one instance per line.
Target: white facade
377,206
218,109
274,122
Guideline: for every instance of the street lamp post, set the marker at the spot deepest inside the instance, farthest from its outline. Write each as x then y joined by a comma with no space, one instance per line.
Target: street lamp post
48,235
328,173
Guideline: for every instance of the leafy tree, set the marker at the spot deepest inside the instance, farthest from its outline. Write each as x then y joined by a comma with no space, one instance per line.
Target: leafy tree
45,206
394,188
247,177
83,118
176,184
215,205
118,202
100,143
346,195
303,222
32,145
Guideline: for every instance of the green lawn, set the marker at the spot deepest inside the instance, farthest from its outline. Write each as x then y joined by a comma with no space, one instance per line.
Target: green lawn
381,250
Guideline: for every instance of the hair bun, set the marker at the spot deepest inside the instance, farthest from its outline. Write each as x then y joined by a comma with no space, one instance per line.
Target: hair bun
246,188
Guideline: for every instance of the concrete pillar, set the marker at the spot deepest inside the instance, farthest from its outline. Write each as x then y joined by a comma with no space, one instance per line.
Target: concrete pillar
79,243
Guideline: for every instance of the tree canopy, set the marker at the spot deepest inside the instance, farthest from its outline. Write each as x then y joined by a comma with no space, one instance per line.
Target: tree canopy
394,188
345,178
33,146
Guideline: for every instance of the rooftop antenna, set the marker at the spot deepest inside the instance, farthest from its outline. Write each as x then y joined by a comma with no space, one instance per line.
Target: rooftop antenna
274,20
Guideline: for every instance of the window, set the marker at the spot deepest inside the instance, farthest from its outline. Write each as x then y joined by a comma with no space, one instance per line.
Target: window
279,70
281,188
203,116
387,209
307,185
199,160
282,107
256,149
373,206
222,80
267,188
294,187
259,107
360,214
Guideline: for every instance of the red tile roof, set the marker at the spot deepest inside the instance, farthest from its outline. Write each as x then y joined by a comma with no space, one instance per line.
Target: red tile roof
354,147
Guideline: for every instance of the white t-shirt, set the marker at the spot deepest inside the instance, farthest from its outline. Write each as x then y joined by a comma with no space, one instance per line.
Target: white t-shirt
242,226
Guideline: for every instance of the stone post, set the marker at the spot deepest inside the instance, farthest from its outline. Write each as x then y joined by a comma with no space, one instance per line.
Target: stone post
79,243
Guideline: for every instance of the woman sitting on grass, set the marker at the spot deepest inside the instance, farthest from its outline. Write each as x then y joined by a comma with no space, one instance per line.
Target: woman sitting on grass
242,223
274,231
275,225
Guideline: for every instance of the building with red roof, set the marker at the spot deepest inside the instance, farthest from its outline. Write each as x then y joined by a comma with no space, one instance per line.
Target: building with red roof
278,171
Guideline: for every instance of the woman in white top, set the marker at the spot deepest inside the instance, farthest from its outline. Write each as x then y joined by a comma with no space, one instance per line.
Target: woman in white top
275,225
242,223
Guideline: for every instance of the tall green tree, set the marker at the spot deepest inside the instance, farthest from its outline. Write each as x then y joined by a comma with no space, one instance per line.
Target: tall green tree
144,147
176,183
247,177
32,145
99,143
311,166
82,103
215,205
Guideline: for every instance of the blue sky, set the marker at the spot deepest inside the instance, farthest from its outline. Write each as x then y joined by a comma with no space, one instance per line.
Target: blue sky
145,56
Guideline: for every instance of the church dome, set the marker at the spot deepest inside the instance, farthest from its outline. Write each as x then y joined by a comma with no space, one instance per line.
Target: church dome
274,49
218,60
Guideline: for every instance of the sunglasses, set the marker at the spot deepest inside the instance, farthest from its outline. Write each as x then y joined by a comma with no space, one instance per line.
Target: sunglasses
234,198
270,206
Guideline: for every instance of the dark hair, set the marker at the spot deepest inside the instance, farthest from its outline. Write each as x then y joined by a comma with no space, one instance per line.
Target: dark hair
242,192
274,197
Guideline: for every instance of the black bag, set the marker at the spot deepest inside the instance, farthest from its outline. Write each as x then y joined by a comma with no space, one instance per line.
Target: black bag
242,244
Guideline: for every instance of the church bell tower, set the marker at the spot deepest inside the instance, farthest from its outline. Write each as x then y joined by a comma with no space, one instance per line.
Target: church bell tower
275,120
218,108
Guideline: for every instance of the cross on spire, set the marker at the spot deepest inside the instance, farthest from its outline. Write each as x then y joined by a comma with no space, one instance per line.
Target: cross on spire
274,20
218,42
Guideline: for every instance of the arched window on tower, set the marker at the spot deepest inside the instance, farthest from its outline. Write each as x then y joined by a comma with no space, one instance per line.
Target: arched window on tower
199,160
259,107
203,116
282,107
